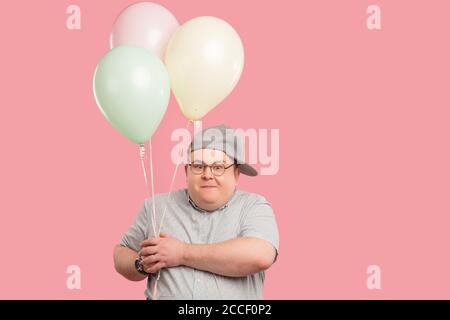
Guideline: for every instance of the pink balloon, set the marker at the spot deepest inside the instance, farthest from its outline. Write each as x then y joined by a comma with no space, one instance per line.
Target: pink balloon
144,24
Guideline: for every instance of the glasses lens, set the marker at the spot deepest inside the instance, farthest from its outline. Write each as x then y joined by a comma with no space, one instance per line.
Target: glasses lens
197,168
218,169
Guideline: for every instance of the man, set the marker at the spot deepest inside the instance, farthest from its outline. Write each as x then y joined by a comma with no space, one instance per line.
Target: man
217,241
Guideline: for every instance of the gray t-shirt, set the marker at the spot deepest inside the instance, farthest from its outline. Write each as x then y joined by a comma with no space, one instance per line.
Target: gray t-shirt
245,215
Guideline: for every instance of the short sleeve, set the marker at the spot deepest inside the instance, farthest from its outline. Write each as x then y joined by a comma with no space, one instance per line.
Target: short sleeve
138,231
259,222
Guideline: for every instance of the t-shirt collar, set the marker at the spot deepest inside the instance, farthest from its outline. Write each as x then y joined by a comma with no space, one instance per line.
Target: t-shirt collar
196,207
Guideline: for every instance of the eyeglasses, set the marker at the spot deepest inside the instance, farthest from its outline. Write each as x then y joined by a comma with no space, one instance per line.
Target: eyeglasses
217,168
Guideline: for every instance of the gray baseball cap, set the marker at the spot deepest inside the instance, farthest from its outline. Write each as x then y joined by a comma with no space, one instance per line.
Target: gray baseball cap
227,140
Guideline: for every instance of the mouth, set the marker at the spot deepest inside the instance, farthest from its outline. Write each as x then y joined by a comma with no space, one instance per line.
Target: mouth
208,187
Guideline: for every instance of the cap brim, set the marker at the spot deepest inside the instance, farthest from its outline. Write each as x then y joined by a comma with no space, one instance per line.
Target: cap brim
247,170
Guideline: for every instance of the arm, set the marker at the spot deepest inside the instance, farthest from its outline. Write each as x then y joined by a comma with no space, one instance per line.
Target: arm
126,252
237,257
124,263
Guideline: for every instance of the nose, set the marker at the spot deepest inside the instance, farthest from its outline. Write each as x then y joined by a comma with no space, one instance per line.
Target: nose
207,173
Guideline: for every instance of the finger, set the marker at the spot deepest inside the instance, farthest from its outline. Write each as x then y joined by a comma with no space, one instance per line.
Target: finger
149,250
155,268
150,242
164,235
147,261
149,265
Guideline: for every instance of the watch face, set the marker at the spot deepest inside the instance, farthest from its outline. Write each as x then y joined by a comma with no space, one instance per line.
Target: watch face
137,264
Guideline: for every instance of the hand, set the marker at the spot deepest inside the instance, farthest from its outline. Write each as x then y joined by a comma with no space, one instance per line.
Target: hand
162,252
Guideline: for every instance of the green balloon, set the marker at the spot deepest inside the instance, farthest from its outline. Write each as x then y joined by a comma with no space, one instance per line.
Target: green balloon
132,90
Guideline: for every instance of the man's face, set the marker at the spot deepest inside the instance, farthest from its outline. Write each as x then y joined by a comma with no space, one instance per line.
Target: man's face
207,190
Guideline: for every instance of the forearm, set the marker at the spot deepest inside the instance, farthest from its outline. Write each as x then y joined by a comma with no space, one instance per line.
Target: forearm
124,263
233,258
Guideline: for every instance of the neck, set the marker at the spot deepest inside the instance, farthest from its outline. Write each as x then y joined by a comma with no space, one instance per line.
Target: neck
209,207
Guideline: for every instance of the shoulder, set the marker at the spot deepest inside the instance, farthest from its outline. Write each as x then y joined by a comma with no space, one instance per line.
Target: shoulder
164,198
250,199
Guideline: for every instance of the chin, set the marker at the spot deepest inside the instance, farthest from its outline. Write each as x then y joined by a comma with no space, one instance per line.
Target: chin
209,198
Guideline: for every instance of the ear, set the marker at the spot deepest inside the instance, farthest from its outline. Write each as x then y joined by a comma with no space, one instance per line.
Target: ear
186,172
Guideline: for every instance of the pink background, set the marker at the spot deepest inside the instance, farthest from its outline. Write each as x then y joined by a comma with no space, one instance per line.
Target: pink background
364,146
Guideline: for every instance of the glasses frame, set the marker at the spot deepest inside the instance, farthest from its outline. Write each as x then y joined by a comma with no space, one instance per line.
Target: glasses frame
210,168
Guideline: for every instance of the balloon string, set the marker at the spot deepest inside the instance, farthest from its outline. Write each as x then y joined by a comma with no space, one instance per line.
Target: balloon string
153,188
173,180
142,155
155,290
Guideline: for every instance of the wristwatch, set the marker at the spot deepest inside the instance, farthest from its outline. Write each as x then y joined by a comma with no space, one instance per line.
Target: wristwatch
138,266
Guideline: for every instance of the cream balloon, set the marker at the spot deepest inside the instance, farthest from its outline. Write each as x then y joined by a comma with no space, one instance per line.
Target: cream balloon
204,59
